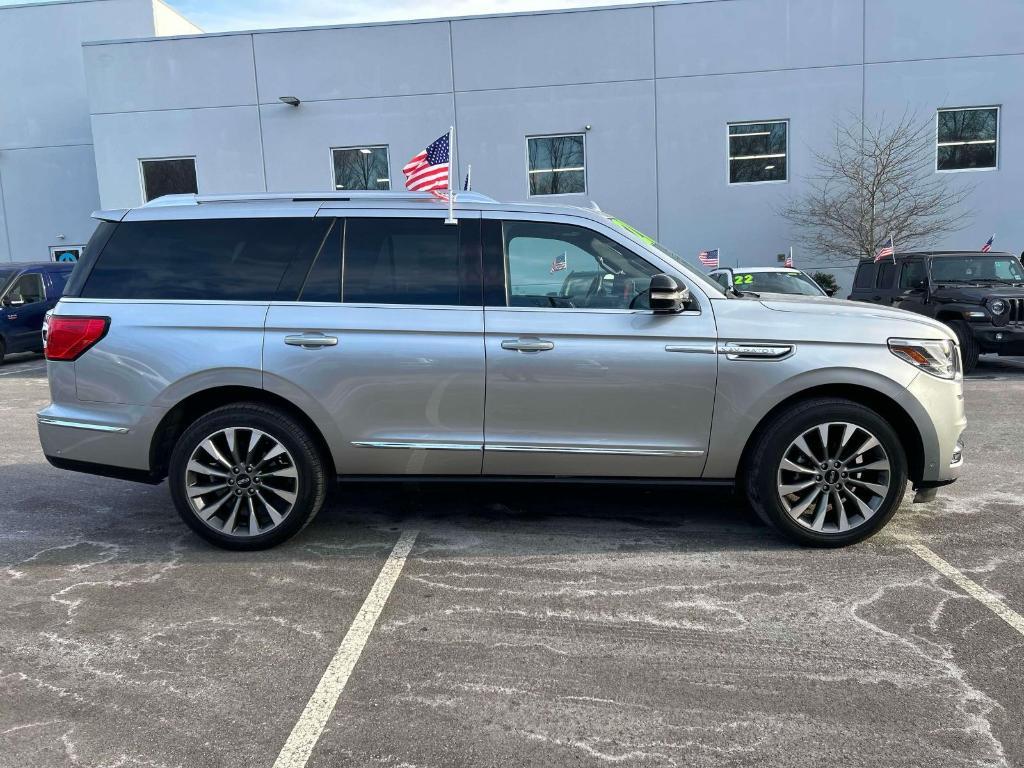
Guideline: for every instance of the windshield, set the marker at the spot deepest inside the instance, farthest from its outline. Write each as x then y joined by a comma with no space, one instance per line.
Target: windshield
776,282
971,268
668,253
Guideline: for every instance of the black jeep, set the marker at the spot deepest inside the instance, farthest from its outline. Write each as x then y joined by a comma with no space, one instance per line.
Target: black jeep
979,295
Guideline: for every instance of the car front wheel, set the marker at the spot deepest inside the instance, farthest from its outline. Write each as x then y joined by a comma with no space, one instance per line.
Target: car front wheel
827,472
247,477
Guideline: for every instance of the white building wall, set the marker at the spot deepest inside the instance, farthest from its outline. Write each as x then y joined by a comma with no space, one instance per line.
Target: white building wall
656,84
48,184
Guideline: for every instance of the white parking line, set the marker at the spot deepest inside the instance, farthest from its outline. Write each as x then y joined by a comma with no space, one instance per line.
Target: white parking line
23,370
307,730
972,588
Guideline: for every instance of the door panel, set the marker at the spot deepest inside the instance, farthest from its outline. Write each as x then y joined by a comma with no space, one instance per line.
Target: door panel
607,398
396,372
596,392
24,310
395,376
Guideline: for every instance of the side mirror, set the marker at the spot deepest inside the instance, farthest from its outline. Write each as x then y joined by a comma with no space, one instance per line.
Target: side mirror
831,291
919,285
668,294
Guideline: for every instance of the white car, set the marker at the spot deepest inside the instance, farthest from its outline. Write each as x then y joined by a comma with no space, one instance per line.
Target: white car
768,280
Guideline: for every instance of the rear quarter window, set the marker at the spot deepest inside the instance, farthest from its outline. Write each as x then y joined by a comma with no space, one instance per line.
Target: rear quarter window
201,259
865,277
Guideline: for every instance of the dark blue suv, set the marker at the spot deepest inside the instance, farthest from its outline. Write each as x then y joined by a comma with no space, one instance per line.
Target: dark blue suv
27,293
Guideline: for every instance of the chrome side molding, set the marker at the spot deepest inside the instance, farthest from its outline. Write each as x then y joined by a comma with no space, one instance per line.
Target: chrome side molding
696,349
418,446
599,451
81,425
530,448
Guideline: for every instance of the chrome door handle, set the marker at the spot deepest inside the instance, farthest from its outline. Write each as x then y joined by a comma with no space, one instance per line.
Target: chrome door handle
311,340
527,345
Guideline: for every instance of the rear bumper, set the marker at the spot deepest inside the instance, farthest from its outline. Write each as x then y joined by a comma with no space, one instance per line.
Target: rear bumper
103,470
100,438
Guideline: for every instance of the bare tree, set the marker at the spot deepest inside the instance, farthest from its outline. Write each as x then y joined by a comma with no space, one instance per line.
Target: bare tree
877,181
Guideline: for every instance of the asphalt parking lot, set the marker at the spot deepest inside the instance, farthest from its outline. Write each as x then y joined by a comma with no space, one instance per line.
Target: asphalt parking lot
528,627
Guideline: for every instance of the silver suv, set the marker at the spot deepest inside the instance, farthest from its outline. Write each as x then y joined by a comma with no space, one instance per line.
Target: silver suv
254,349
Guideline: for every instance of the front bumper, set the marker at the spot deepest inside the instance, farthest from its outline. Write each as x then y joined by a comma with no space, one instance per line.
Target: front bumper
1004,340
943,402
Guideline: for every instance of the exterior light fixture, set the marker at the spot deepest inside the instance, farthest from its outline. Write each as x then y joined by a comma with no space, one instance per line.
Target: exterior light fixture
291,101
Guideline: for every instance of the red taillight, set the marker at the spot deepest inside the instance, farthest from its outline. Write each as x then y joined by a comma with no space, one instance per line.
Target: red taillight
68,338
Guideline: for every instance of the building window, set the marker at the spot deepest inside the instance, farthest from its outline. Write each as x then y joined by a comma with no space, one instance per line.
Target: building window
757,152
361,168
66,253
168,176
967,139
557,165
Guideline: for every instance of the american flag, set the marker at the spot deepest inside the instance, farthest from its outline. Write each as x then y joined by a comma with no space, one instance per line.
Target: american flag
988,245
789,260
889,250
428,171
559,264
709,258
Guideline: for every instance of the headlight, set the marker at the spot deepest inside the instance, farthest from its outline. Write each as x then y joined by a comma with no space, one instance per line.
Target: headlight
997,306
939,358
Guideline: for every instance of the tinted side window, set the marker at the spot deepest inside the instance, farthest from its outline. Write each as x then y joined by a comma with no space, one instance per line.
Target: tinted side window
401,261
323,283
211,259
913,273
886,275
865,276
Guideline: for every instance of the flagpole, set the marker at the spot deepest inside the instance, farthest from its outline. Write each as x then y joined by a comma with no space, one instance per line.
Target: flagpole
452,166
892,247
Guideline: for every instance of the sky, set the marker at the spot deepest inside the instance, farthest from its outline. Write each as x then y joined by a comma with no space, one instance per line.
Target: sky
225,15
220,15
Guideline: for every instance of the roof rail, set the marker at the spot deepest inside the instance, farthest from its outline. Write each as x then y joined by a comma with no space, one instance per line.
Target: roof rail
339,196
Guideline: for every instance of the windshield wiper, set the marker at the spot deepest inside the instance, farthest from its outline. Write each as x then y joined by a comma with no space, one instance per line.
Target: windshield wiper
740,294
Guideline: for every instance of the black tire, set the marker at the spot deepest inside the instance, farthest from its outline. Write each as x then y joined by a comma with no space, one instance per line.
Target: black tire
3,351
762,469
311,473
968,346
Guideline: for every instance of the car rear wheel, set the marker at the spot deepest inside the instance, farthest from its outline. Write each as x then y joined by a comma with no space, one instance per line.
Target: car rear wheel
247,477
3,351
827,472
968,346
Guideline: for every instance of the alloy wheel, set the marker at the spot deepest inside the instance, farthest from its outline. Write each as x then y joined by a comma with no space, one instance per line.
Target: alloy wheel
241,481
834,477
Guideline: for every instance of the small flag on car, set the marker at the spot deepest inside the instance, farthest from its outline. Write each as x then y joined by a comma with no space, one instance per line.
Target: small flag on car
428,170
789,259
988,245
889,250
709,258
560,263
